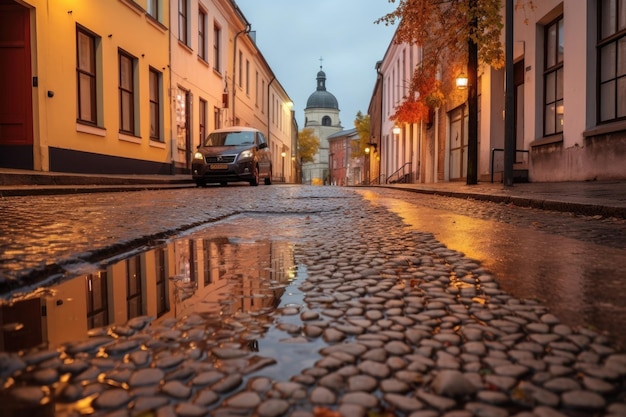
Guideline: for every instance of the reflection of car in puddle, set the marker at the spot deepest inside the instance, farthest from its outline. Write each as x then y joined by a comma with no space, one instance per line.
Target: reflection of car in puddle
199,275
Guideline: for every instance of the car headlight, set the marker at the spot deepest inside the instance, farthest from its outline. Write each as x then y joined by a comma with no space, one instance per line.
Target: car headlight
198,155
245,154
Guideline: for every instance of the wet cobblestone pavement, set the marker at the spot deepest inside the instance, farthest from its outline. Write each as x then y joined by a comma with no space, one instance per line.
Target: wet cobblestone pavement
407,326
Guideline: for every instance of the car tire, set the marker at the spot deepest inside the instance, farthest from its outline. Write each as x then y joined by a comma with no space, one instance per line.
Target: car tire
255,177
223,184
201,184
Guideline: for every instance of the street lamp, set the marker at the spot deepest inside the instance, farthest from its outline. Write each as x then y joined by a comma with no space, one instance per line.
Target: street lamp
396,130
282,171
462,81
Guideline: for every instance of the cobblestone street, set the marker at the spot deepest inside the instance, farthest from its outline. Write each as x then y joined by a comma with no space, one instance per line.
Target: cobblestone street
407,325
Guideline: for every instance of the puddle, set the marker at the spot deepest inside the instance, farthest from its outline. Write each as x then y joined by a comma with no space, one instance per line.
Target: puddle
227,274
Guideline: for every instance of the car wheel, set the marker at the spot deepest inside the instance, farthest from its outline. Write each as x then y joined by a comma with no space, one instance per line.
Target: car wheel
223,184
201,184
255,176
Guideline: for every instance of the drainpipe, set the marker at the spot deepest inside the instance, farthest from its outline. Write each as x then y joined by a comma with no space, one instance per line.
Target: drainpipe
246,30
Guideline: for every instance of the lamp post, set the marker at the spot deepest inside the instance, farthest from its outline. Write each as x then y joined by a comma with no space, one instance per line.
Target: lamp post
472,100
282,170
509,100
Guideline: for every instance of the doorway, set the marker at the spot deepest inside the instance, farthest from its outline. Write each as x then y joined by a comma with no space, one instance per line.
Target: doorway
16,106
458,142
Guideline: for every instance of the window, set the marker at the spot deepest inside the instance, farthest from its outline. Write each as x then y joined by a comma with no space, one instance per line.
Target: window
153,8
202,51
553,78
612,60
127,92
155,104
240,68
202,116
86,76
182,21
217,35
256,89
97,300
263,96
326,121
134,299
160,257
247,77
217,121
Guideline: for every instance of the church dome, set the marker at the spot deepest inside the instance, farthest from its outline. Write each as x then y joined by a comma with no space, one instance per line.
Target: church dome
322,98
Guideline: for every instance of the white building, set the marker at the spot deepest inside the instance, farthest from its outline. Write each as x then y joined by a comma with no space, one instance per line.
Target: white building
570,103
322,116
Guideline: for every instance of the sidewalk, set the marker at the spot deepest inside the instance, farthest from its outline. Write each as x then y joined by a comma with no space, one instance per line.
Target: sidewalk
593,198
15,182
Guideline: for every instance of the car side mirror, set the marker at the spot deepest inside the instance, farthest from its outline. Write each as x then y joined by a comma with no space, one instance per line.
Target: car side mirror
262,145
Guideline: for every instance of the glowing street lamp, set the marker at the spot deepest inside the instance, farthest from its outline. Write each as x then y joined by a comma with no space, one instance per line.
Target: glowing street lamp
462,81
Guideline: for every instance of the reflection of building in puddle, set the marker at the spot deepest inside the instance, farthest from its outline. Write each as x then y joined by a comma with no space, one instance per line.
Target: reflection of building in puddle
185,276
222,276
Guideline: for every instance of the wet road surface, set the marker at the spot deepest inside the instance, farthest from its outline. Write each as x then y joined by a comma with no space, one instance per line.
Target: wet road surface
297,269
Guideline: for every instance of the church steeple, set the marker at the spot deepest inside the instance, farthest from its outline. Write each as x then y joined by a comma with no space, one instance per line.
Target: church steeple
321,80
321,98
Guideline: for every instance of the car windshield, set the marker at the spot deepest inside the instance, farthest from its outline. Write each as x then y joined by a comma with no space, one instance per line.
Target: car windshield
229,138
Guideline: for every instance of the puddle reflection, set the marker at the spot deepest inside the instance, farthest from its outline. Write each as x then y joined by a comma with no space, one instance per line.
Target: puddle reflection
201,274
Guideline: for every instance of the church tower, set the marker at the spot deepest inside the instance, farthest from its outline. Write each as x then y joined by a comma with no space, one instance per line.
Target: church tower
322,116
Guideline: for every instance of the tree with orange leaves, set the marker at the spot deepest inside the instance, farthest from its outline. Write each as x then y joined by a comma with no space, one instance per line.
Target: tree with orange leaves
442,28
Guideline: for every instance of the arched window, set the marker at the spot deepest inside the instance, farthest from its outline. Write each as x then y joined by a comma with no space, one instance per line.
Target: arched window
326,121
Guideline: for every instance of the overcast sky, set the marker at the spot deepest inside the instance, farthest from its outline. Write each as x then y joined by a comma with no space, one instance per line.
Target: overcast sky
293,35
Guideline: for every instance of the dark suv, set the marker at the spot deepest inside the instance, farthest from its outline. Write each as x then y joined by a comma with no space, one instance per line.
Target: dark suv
232,154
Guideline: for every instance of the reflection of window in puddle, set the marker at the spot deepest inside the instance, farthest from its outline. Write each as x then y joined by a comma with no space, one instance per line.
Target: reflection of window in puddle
203,275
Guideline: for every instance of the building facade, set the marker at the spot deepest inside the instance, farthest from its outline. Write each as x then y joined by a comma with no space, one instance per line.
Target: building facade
130,86
570,103
322,116
345,167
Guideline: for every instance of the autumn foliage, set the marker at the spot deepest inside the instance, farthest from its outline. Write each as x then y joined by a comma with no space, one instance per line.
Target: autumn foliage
442,29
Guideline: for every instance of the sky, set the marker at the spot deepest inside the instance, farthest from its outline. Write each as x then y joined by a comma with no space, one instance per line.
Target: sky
293,35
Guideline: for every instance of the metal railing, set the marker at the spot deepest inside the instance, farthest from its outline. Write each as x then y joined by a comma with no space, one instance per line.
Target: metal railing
373,181
401,175
494,150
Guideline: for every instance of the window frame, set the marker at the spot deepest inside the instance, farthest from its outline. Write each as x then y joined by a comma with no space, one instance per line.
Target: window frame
613,39
183,21
126,95
91,74
202,34
203,121
217,50
553,69
155,79
153,8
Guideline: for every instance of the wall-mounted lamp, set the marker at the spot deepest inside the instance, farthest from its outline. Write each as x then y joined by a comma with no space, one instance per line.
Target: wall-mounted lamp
462,81
396,130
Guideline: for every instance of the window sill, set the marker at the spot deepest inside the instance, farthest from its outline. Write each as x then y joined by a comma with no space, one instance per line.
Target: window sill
92,130
133,6
185,46
605,128
547,140
157,144
129,138
154,22
203,61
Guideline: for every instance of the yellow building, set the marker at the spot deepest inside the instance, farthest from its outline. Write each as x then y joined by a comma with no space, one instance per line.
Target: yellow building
87,86
131,86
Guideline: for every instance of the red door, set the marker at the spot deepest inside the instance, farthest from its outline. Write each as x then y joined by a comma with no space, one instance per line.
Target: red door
16,113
